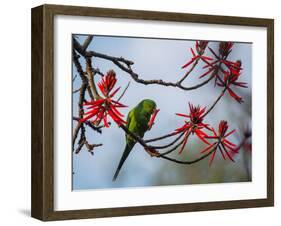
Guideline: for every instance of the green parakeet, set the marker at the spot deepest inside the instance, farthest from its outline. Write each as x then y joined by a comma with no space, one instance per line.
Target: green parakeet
139,120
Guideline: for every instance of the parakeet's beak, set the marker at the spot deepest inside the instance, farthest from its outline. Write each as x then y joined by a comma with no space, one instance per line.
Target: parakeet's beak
152,118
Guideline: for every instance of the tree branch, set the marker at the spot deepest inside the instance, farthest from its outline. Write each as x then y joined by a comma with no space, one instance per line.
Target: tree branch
192,67
88,123
81,98
125,65
216,101
90,74
87,42
190,161
82,48
203,156
107,57
136,78
122,94
169,144
81,72
80,126
161,138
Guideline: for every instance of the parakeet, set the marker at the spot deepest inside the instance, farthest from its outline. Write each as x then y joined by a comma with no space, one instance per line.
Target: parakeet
139,120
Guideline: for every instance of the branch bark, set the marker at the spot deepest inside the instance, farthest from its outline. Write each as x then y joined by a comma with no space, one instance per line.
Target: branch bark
90,74
125,65
84,86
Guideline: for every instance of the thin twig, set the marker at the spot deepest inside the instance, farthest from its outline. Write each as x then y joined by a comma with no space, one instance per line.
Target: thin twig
82,48
74,78
88,123
82,139
91,147
169,144
192,67
122,94
107,57
160,138
216,101
172,149
97,71
76,90
87,42
189,162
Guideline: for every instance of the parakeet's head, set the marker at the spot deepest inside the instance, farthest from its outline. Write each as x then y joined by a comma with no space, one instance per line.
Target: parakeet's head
150,107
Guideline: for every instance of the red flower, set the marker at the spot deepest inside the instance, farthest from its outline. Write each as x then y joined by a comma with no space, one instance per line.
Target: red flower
107,83
101,108
194,125
211,69
230,79
224,50
231,75
200,48
152,119
222,143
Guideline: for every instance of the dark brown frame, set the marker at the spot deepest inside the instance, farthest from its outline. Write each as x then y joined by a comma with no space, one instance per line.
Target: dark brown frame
42,203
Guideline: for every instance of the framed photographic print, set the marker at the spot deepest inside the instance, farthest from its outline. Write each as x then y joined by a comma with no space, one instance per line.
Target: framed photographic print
141,112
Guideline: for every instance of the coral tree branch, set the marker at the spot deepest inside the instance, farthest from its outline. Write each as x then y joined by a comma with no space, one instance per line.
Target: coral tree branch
125,65
82,90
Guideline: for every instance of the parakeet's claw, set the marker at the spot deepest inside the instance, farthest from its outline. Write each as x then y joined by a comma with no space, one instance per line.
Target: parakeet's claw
152,152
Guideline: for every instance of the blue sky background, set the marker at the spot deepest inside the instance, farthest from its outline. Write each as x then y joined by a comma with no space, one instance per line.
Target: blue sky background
160,59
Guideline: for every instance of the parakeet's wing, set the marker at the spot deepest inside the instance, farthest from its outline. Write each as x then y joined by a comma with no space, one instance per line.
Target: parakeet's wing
130,119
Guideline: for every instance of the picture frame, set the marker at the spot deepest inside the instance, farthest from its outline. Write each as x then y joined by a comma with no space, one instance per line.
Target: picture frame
43,108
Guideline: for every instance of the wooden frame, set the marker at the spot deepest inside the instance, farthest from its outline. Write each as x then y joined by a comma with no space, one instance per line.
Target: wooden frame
42,205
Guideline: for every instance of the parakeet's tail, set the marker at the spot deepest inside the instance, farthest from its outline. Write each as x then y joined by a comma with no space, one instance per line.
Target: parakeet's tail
126,153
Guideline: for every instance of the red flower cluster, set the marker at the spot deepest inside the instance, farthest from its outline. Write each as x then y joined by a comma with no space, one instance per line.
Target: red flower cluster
230,78
107,83
194,125
225,48
225,147
200,48
231,75
105,106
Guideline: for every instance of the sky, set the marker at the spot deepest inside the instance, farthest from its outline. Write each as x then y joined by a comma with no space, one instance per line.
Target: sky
160,59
